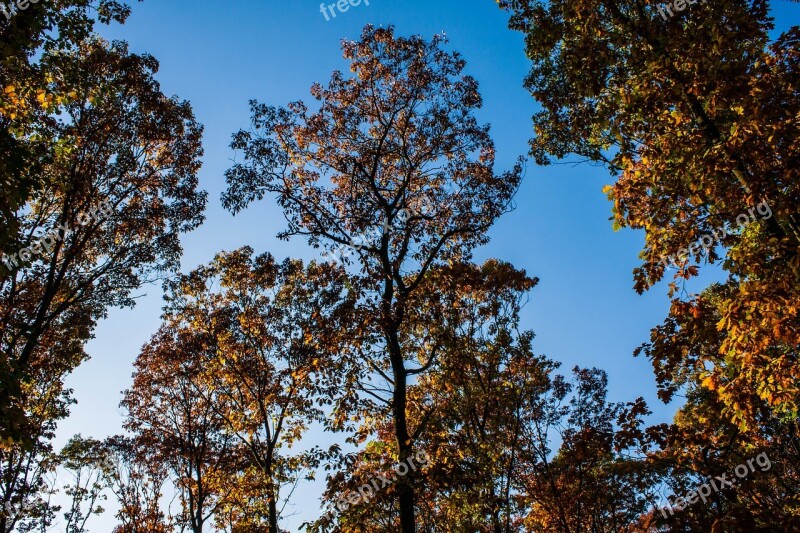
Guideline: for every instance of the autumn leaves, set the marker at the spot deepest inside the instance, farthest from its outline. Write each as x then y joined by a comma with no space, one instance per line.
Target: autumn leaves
697,119
87,136
241,367
413,351
707,241
393,163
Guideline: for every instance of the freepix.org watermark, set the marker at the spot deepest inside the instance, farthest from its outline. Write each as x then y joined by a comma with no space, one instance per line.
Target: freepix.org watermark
706,242
341,5
719,482
9,10
367,492
46,242
678,5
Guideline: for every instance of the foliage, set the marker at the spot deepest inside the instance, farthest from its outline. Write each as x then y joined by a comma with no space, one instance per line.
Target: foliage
116,140
698,113
408,347
170,411
262,335
398,134
511,446
239,369
26,472
28,97
85,460
137,484
701,446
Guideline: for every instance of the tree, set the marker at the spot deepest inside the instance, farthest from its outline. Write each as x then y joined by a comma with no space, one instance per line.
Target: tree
599,478
99,179
399,134
177,424
86,462
460,407
137,485
263,334
503,410
702,445
487,370
698,113
26,471
510,446
28,94
124,146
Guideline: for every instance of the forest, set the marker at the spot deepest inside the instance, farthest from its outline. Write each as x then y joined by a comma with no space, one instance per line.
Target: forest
397,369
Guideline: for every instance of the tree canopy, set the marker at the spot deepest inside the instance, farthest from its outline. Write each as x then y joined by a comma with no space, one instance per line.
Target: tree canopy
395,347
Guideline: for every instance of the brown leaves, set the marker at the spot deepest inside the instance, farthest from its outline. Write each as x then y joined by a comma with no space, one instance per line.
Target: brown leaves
248,353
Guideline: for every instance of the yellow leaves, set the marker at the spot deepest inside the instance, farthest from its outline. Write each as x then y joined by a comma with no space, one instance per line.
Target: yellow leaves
608,190
11,104
710,382
17,102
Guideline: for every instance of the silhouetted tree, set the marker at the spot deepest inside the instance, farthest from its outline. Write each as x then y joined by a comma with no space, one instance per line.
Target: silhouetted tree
393,138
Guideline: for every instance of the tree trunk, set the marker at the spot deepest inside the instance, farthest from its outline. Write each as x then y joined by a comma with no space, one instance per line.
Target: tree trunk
404,445
273,509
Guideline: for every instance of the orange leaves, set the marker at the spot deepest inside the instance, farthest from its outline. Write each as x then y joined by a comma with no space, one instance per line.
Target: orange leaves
711,382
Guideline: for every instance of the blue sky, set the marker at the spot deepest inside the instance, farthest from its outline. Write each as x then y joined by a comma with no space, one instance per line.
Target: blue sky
219,55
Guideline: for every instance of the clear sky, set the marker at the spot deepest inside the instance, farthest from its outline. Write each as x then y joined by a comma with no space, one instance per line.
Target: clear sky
219,55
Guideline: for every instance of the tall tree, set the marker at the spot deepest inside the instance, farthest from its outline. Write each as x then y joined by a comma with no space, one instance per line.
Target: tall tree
459,407
397,134
698,112
98,172
118,190
265,335
177,424
509,445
